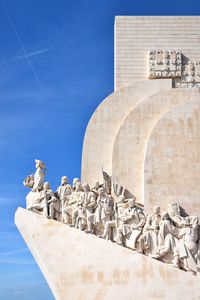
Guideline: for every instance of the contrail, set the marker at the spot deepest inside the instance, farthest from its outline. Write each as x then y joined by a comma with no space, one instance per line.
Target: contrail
22,46
24,56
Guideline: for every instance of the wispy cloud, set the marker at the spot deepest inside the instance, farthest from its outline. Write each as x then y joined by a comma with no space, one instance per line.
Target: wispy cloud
24,56
22,250
17,261
21,274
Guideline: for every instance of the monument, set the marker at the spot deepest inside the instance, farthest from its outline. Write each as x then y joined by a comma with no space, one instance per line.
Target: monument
129,229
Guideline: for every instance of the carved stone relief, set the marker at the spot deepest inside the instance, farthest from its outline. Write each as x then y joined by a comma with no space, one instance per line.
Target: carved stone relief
166,236
165,63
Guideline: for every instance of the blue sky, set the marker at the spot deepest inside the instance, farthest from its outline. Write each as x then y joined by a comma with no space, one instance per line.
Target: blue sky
46,100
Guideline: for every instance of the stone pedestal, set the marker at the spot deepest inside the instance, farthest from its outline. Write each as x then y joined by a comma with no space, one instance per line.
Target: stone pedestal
78,266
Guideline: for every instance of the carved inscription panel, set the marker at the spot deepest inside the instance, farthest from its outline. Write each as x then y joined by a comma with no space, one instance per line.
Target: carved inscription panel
165,63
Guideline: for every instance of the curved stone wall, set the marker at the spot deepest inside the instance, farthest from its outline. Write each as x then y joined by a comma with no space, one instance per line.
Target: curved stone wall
134,133
172,159
105,123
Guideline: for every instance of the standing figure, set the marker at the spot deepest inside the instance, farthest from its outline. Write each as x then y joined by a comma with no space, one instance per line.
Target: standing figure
75,200
39,175
103,213
148,241
75,180
111,226
104,209
89,201
35,182
63,192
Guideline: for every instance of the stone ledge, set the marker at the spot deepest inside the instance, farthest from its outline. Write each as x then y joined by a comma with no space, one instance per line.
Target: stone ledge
79,266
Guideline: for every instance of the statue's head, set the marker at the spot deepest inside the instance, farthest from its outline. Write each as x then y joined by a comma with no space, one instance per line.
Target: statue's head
46,185
101,191
75,180
173,209
165,216
85,187
39,164
78,186
64,180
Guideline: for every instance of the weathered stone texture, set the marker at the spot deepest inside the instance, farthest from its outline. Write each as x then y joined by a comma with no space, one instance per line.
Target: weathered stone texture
172,163
134,134
135,35
105,123
79,266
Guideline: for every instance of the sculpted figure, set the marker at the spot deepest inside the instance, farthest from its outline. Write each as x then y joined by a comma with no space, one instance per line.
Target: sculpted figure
96,187
39,175
47,203
168,240
85,208
148,241
104,209
103,213
63,192
35,181
119,207
131,223
89,201
75,180
187,250
75,200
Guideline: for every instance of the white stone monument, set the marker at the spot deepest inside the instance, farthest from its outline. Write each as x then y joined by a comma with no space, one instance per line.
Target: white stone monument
145,137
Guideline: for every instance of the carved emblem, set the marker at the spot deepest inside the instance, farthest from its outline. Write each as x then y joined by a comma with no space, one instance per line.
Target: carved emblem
164,63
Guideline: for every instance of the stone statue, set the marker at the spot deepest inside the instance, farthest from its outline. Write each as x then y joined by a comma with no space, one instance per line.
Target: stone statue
89,201
103,213
75,200
188,238
39,175
148,241
110,227
35,181
131,223
169,237
47,203
63,192
75,180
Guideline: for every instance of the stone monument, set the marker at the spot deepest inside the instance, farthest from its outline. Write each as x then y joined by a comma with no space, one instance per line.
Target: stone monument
129,229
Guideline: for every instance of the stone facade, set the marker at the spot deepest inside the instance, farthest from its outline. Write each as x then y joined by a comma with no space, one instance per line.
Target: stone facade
78,266
136,36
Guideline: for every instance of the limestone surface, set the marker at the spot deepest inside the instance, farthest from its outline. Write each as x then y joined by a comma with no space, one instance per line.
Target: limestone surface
136,35
172,159
105,122
134,134
78,266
